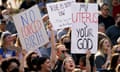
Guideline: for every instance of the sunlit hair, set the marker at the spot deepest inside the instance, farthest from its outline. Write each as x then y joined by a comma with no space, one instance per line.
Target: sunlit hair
101,35
118,68
115,47
63,37
100,45
64,61
3,36
114,60
58,45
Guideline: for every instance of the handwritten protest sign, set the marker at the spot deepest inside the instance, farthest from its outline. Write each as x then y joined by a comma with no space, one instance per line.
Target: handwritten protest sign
60,14
30,28
84,27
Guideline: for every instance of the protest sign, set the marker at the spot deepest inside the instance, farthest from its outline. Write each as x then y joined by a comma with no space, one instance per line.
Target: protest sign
84,27
30,28
60,14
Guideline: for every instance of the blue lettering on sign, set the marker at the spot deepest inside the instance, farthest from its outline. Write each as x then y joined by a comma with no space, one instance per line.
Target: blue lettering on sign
24,19
28,18
34,40
32,15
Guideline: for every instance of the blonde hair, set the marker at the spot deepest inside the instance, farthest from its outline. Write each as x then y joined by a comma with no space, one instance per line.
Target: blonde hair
115,47
58,45
67,58
4,34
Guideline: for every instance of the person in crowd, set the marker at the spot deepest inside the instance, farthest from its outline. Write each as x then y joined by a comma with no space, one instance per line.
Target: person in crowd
5,44
104,17
62,32
58,52
32,60
68,65
118,40
116,49
4,4
84,62
103,55
67,42
116,8
0,69
10,65
2,26
113,32
117,69
14,4
19,52
44,64
48,29
18,46
6,15
101,35
1,8
27,4
61,53
114,61
101,28
42,6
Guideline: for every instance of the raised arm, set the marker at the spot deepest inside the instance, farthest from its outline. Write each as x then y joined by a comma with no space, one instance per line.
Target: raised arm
53,50
88,66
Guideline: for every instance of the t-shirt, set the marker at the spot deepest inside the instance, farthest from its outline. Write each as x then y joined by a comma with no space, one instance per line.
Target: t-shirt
99,61
116,10
9,53
108,21
113,32
58,66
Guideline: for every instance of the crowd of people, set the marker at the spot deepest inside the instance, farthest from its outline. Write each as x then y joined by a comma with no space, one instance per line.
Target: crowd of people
56,56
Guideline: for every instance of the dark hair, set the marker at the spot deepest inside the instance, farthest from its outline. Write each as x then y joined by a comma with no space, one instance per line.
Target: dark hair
114,61
42,61
2,21
6,63
4,1
13,60
80,1
28,59
105,4
83,59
